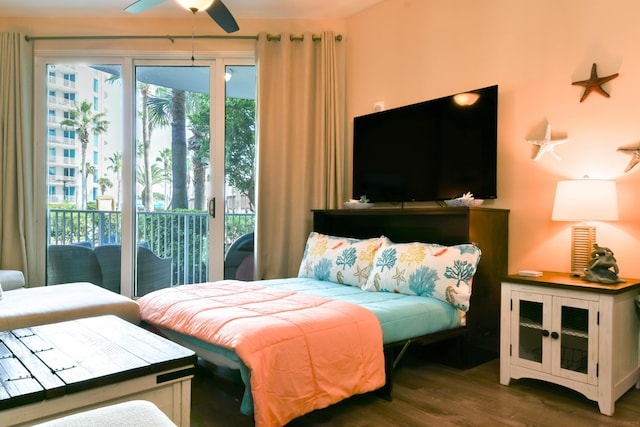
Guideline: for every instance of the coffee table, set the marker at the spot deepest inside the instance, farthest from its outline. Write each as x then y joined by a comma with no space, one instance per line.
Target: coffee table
57,369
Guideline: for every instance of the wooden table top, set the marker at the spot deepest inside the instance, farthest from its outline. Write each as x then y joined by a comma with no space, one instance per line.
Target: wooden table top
566,280
48,361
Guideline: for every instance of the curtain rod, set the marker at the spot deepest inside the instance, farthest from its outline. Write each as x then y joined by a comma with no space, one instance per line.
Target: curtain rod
270,37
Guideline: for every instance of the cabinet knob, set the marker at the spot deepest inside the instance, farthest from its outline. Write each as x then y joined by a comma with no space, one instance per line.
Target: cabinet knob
554,335
545,333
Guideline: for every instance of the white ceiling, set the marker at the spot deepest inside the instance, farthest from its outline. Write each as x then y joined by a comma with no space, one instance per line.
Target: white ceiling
265,9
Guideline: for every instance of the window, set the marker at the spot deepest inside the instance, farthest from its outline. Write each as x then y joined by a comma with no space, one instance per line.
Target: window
95,85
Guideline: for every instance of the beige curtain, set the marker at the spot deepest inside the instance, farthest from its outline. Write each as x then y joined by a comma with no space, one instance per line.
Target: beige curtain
300,144
17,216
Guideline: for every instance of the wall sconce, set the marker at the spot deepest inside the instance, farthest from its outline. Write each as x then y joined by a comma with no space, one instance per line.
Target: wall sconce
195,5
466,99
584,200
228,74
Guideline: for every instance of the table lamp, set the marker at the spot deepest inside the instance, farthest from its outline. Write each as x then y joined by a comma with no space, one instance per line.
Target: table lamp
584,200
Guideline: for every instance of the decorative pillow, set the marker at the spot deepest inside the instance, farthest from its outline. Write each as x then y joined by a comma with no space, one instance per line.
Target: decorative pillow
338,259
443,272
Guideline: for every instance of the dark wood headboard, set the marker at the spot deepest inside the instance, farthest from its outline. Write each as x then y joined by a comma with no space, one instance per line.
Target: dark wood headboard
485,227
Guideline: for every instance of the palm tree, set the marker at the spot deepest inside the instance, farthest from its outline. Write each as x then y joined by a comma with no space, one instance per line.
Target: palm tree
84,121
199,146
116,167
149,120
165,158
104,183
89,169
171,105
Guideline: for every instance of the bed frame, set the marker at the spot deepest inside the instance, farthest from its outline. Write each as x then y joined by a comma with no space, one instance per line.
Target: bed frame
479,340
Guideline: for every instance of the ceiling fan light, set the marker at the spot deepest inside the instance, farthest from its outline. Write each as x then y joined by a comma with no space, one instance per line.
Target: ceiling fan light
195,5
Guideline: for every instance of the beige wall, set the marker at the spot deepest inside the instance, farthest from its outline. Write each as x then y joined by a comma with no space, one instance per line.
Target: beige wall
406,51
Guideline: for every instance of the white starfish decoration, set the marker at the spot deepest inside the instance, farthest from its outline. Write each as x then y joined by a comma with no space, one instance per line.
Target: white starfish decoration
634,152
547,145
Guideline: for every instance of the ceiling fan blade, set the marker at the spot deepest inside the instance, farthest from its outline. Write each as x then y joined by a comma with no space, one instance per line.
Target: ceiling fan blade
142,5
219,13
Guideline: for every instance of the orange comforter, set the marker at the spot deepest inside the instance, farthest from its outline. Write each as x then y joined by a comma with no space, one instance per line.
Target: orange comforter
304,352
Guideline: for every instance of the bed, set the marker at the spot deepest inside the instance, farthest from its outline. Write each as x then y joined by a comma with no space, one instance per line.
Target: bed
375,304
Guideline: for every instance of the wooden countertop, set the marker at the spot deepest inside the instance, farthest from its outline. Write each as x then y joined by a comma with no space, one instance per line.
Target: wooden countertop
559,279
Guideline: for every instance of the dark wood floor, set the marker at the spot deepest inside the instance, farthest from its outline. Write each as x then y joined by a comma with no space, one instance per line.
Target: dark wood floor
427,393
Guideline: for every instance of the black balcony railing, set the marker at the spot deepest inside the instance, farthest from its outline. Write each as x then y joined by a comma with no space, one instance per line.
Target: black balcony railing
181,236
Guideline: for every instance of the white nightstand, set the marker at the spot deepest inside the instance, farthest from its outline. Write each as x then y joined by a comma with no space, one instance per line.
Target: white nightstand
577,334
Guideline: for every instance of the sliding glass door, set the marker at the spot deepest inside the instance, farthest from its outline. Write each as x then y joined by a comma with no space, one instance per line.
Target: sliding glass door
139,196
173,159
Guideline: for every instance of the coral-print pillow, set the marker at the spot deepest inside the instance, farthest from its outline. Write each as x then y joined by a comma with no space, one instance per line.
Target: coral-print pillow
338,259
443,272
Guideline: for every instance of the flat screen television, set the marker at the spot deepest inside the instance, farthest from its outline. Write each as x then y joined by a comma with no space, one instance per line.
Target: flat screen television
429,151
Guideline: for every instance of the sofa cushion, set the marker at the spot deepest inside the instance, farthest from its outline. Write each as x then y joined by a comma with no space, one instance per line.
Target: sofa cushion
26,307
11,279
423,269
338,259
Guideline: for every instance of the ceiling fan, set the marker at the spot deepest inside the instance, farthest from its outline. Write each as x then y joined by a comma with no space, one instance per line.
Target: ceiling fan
215,9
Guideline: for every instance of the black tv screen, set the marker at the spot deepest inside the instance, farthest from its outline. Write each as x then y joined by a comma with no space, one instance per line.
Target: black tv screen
430,151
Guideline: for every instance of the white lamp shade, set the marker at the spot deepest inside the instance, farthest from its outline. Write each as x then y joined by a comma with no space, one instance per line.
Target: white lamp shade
196,5
585,200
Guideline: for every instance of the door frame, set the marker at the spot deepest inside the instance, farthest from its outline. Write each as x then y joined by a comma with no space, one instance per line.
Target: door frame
128,60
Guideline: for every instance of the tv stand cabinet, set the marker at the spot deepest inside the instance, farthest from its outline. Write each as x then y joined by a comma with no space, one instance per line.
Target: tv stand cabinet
485,227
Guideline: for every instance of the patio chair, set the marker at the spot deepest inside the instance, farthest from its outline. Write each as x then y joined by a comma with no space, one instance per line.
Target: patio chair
238,261
72,263
153,272
110,265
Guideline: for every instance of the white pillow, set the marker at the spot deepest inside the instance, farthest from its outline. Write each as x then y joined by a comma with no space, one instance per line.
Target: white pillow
442,272
338,259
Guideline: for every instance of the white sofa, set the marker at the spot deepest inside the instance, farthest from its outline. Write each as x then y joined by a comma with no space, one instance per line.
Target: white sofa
11,279
22,307
136,413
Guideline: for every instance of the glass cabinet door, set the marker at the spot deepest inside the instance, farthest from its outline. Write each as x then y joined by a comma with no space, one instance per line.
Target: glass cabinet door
530,342
574,339
530,331
574,334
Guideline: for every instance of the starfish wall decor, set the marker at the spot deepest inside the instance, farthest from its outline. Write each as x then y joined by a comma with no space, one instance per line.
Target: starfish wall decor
634,152
594,83
547,145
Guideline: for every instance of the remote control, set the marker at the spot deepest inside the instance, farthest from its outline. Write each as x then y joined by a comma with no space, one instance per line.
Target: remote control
530,273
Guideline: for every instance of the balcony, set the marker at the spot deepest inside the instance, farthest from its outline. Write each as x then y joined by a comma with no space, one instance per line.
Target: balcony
181,236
